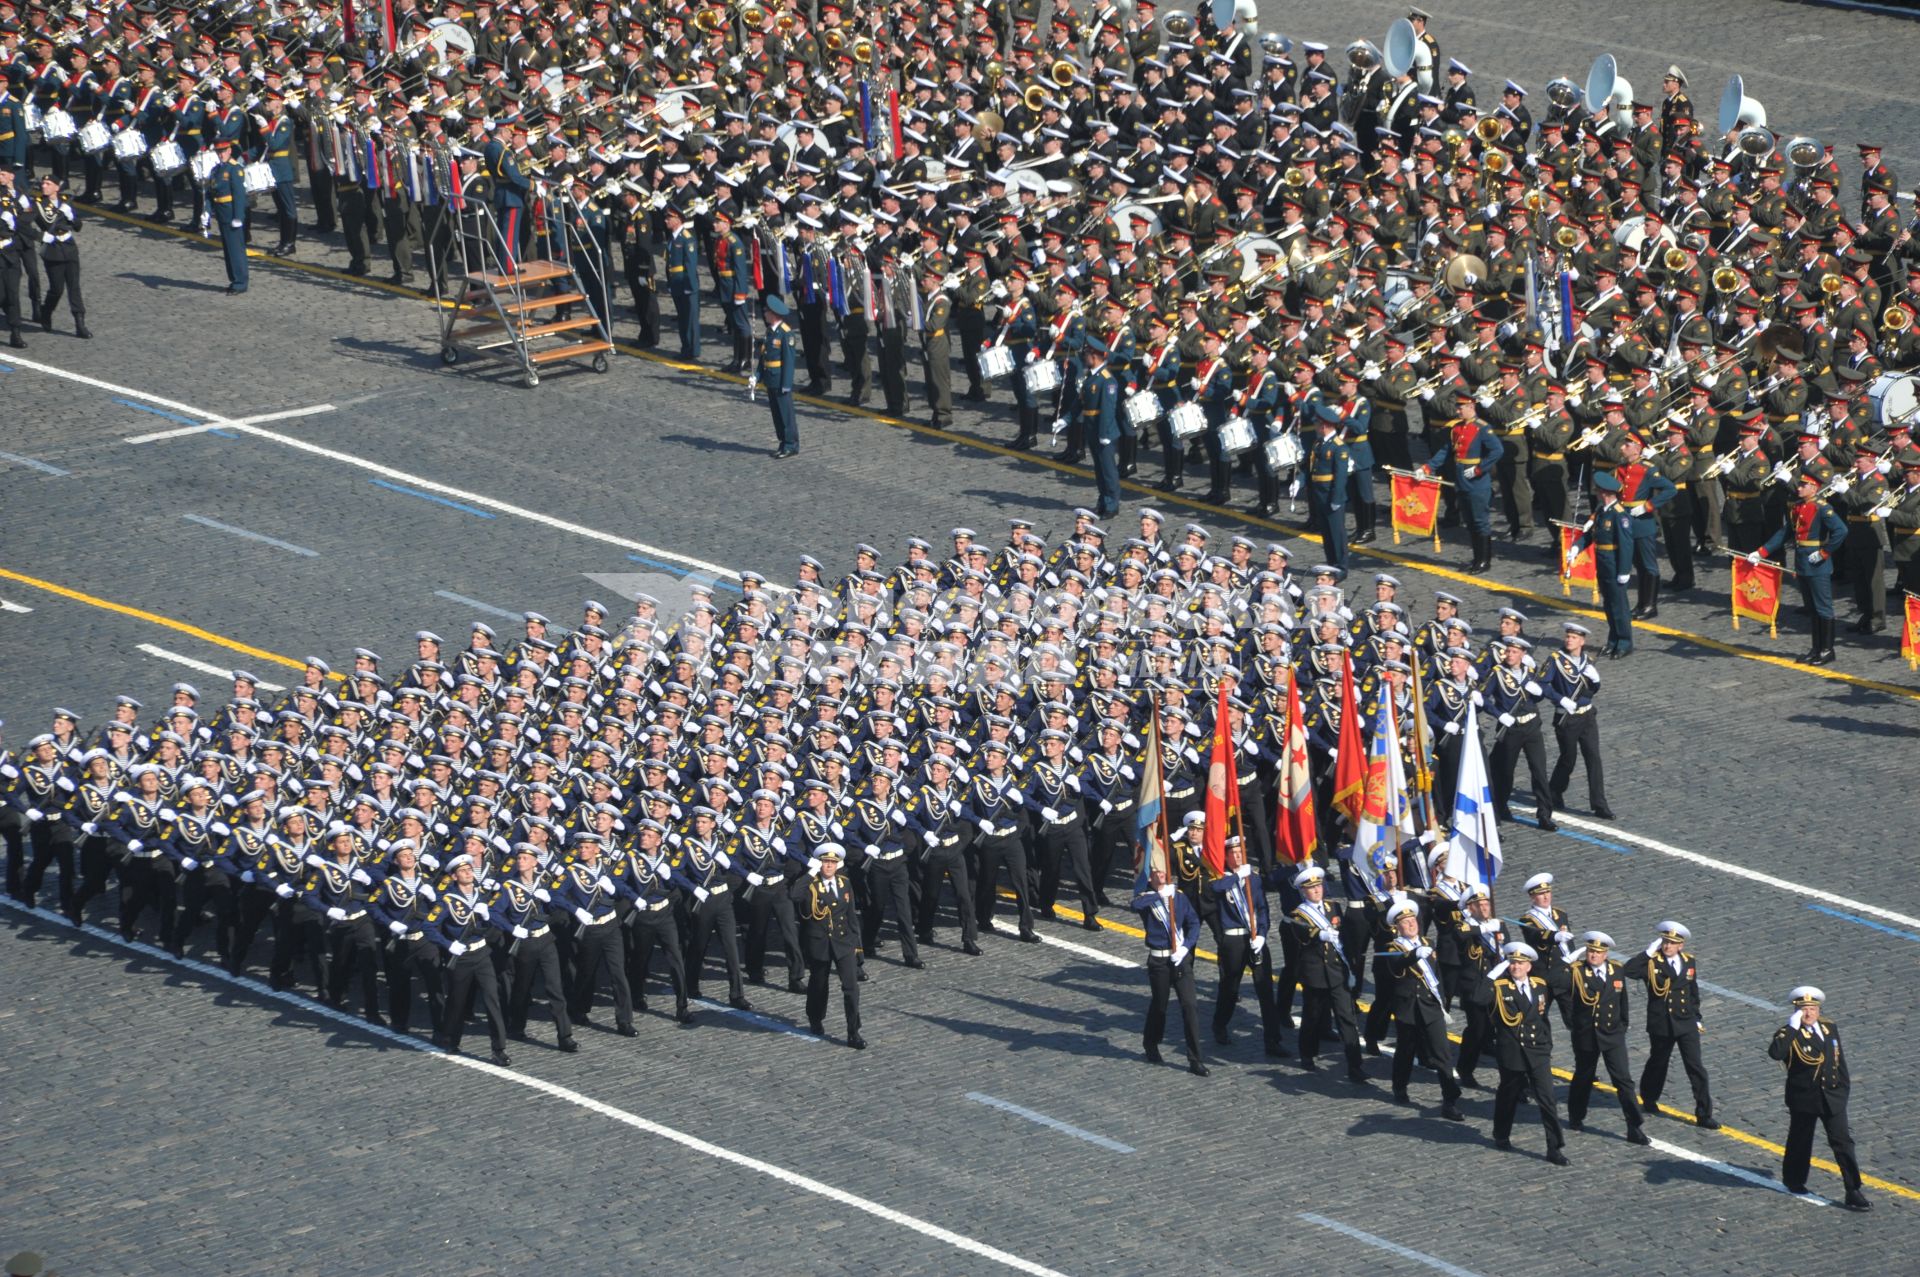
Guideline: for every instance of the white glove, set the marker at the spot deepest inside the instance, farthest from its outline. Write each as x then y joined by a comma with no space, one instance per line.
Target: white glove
360,876
871,851
1653,946
1816,556
1563,935
1179,954
484,912
813,865
544,896
1506,720
1793,1021
585,919
457,948
1533,688
1166,892
236,224
34,814
606,884
1259,943
1406,166
136,845
1623,578
1427,394
699,893
1478,699
1332,754
1841,485
519,933
1451,729
1496,971
88,828
1243,871
283,891
1709,379
755,879
398,928
1106,806
1754,558
189,864
1423,951
986,826
1050,814
1329,936
247,877
337,914
1566,703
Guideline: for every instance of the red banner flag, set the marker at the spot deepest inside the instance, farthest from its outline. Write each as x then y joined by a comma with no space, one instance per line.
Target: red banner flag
1223,791
1416,506
1296,835
1583,570
1350,767
1910,632
1756,593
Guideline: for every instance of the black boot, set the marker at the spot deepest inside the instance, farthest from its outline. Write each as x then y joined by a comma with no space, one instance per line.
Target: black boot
1823,626
1129,446
1815,645
1653,597
15,340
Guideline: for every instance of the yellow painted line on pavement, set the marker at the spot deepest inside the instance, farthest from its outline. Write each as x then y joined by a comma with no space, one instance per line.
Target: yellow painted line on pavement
1404,562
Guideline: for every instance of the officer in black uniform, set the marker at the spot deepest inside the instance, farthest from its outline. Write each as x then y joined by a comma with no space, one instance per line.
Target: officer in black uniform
1818,1084
1673,1018
1419,1014
1525,1043
830,934
1326,981
1593,986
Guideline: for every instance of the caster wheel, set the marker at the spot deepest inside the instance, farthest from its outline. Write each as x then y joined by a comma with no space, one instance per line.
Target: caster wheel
448,355
531,380
600,363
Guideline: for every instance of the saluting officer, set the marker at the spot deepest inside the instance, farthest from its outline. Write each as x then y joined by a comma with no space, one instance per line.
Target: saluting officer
1593,987
1673,1019
1525,1040
1818,1084
830,934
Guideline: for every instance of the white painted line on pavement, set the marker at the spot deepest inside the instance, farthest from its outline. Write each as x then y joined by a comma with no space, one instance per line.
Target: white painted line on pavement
1087,951
1051,1123
1728,867
390,472
218,423
806,1183
1748,998
477,605
1392,1248
205,667
33,464
1740,1173
261,537
8,605
755,1018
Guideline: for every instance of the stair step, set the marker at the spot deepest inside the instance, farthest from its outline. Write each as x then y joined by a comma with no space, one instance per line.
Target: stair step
554,353
487,329
559,326
524,273
540,303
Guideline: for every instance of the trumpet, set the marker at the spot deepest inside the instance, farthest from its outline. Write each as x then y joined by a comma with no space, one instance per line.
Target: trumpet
1884,507
1721,465
1589,438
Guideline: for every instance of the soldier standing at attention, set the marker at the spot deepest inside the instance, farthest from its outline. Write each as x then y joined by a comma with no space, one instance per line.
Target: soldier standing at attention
776,374
936,347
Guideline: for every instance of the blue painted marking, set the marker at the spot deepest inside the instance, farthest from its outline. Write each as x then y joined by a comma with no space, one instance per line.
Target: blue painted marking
683,571
1865,922
1051,1123
6,367
224,434
1622,848
158,412
432,496
32,464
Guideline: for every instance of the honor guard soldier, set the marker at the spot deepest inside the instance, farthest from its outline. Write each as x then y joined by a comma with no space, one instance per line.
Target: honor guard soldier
1483,939
1592,986
458,923
707,868
1525,1043
994,805
653,923
1419,1010
936,345
1244,949
1514,697
400,903
1571,682
1329,469
777,365
56,223
934,812
878,827
733,279
1326,981
1611,535
1053,793
1815,532
276,148
830,936
1172,928
1100,425
590,895
759,855
1818,1084
337,890
1673,1019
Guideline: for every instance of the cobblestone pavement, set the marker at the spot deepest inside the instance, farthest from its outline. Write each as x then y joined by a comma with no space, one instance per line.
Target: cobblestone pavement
163,1120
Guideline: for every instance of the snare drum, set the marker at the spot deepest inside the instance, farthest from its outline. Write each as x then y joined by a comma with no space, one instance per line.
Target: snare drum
204,162
58,125
129,144
1236,436
168,158
1043,377
94,137
1894,398
258,176
1187,420
36,126
996,362
1143,408
1284,452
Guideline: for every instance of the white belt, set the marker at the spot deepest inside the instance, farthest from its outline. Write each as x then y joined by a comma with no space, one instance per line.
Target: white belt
1159,953
1067,819
601,920
889,855
718,889
1233,931
657,907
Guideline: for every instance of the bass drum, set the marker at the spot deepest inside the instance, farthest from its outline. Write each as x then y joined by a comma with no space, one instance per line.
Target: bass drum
1895,397
996,362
